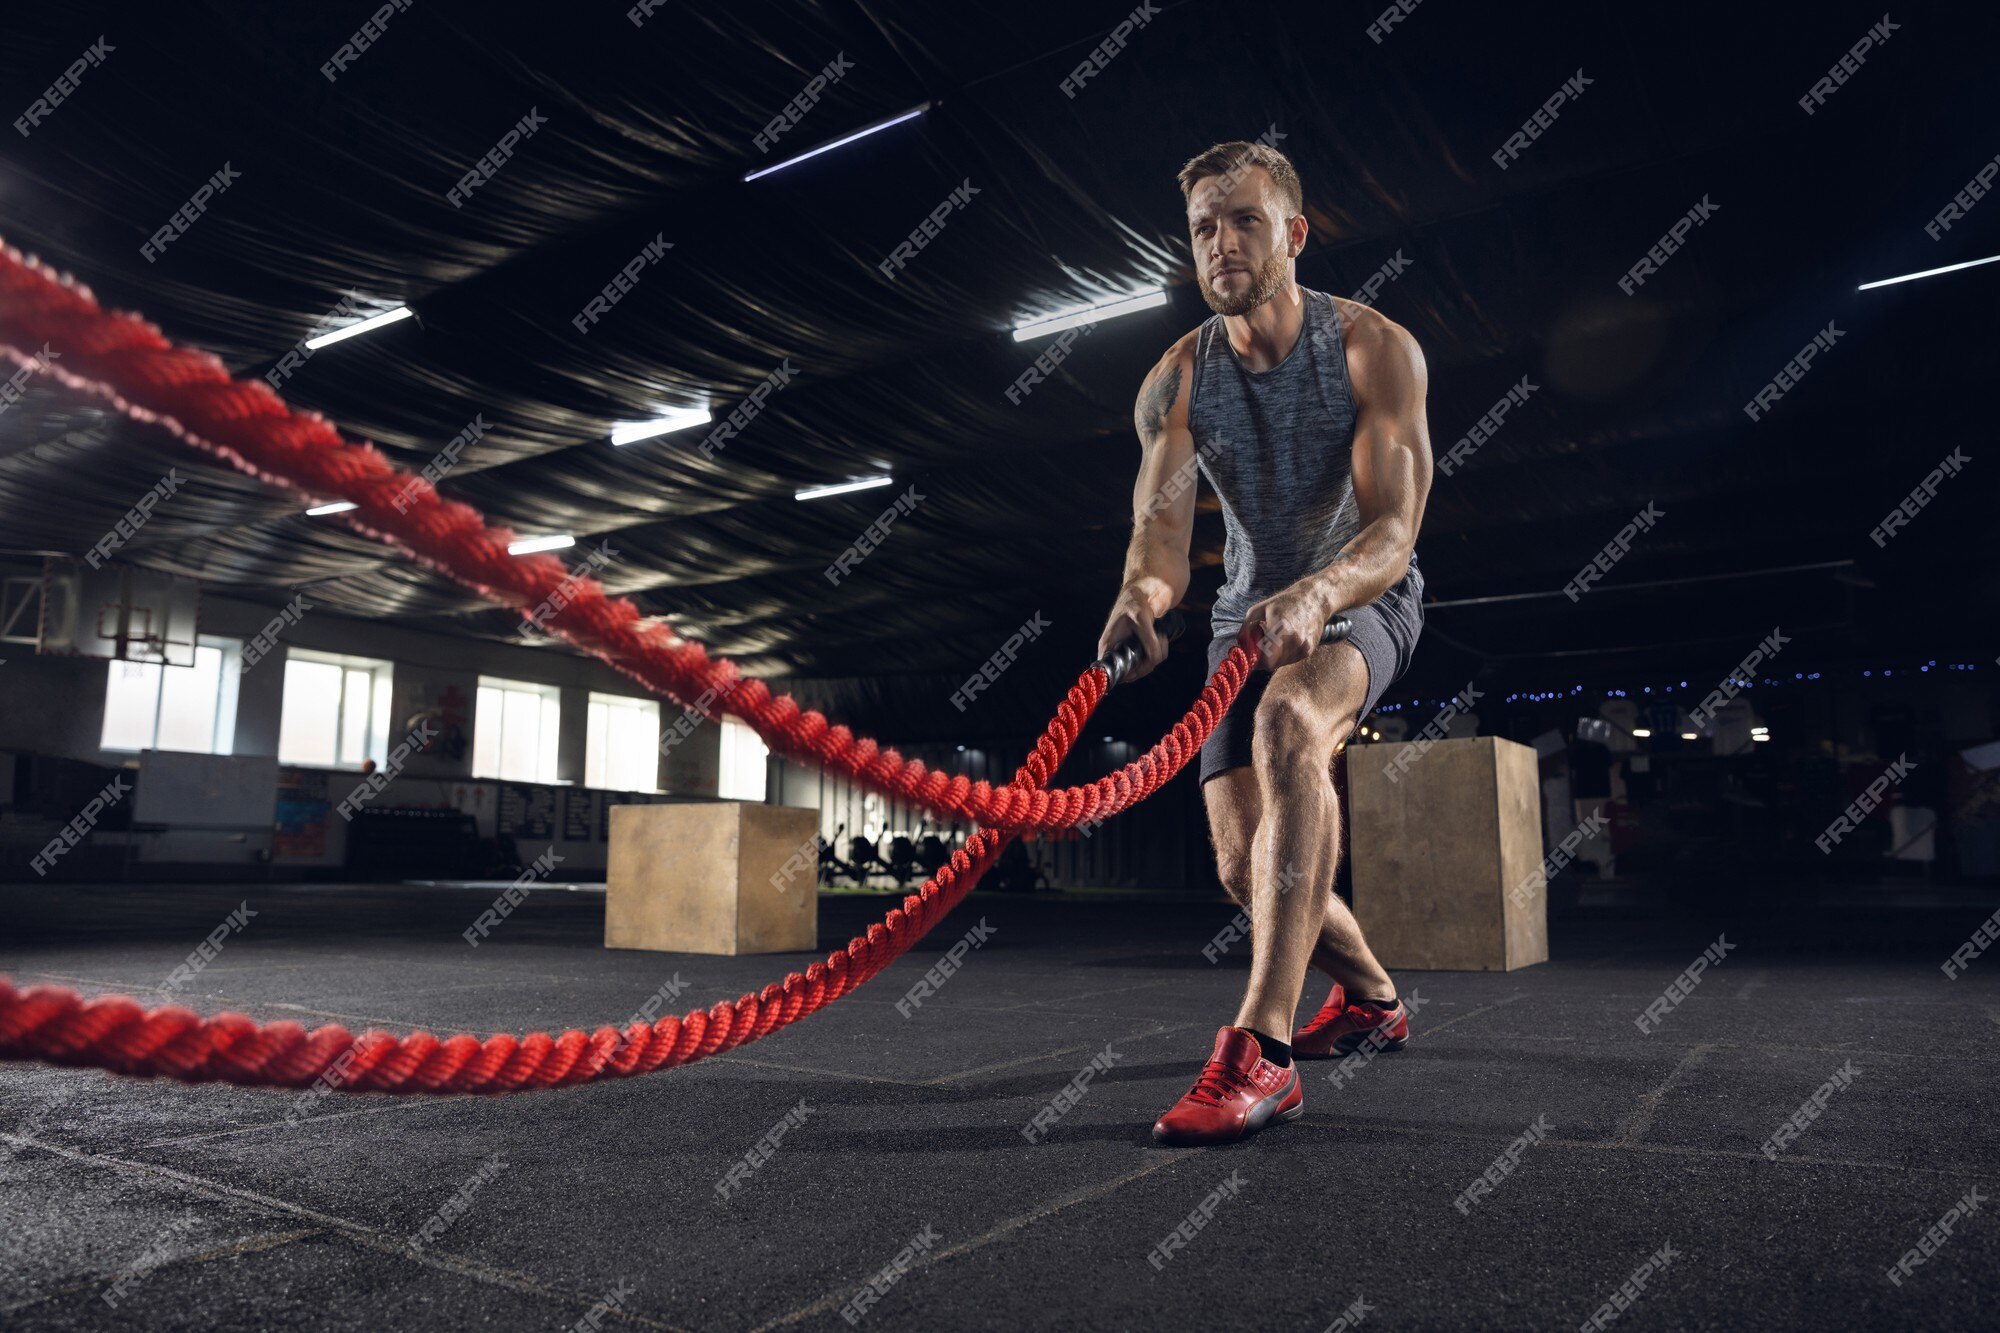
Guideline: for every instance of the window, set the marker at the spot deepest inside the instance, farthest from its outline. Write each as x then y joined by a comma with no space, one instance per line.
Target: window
743,762
336,710
152,707
622,752
514,730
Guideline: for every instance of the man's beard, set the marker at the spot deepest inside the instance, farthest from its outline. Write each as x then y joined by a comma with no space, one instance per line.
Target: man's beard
1265,283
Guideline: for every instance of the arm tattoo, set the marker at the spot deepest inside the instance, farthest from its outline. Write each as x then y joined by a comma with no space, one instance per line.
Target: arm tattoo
1155,401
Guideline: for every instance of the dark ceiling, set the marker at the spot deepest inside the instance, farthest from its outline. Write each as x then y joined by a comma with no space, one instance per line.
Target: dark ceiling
342,188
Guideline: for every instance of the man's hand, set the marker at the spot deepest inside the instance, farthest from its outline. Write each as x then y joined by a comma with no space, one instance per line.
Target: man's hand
1132,618
1292,621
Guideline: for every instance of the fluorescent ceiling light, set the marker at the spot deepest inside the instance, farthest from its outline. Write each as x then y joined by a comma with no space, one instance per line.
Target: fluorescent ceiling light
1929,273
1069,319
1687,735
634,431
841,488
861,133
1642,732
336,507
530,545
372,322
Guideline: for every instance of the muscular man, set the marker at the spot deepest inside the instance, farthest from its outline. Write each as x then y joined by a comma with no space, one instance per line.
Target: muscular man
1305,413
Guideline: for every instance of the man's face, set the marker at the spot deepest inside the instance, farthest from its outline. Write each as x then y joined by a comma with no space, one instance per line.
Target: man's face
1241,240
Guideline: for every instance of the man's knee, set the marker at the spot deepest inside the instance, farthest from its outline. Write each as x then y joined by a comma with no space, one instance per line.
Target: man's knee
1293,732
1233,869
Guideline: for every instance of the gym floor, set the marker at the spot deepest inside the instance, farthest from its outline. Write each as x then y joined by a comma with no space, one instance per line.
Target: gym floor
207,1207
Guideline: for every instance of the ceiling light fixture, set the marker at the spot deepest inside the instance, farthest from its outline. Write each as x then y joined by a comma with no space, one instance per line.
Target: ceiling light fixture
861,133
1090,314
401,312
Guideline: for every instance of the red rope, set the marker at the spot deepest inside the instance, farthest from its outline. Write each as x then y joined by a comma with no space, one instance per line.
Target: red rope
128,362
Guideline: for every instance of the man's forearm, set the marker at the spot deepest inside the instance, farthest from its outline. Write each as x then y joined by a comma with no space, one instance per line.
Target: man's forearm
1374,562
1158,570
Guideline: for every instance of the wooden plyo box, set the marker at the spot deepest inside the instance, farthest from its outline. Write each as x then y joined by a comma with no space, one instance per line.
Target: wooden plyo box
1447,855
719,877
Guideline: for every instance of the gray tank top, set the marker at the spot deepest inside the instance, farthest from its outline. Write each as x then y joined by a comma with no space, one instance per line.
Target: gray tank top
1278,448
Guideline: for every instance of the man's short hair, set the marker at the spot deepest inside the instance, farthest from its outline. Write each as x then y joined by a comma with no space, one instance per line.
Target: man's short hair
1236,157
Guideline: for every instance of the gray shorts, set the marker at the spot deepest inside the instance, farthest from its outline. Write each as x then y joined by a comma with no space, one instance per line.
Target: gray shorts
1385,631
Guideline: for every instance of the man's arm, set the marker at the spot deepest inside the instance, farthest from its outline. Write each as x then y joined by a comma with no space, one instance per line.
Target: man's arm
1392,479
1156,561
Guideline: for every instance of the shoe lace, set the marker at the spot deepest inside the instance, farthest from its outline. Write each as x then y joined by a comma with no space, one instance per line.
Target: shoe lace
1327,1013
1217,1083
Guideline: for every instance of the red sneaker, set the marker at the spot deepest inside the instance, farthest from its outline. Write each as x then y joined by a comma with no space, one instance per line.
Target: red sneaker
1339,1028
1239,1092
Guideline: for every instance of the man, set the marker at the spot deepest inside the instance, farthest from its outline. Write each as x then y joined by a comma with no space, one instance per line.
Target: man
1305,413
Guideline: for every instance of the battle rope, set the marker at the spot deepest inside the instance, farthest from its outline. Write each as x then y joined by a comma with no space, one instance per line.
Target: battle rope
44,318
129,363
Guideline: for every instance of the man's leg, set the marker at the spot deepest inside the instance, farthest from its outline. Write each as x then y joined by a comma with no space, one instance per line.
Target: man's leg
1306,710
1234,806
